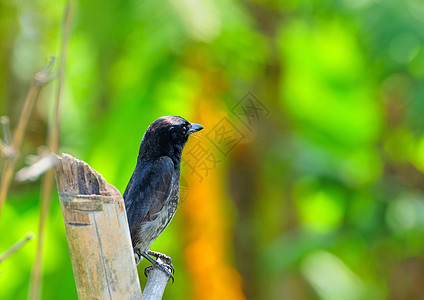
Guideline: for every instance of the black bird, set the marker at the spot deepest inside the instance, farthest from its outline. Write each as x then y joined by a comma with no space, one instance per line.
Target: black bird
151,196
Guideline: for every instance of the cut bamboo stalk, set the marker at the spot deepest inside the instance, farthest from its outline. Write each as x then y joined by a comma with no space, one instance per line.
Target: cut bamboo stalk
97,233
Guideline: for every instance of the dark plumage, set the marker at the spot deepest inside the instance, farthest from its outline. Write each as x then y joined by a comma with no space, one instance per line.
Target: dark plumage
151,196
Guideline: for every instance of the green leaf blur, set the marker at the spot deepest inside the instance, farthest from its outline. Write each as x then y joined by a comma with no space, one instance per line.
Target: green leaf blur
322,197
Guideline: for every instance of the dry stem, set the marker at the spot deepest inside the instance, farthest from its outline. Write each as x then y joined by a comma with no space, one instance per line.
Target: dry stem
48,180
16,247
39,81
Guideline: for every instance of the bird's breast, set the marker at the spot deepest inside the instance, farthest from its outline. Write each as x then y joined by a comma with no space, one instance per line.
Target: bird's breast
151,229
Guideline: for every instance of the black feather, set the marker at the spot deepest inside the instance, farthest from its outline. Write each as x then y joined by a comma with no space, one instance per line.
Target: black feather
151,196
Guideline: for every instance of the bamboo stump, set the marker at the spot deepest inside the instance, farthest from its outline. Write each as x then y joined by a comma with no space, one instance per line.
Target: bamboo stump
97,233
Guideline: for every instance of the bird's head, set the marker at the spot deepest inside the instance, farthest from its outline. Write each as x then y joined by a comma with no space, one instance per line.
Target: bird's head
167,136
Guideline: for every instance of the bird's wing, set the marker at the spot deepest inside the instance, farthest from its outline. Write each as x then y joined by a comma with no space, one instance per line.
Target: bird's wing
149,191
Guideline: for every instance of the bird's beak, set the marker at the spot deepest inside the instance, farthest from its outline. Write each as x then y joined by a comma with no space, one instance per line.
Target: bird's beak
194,128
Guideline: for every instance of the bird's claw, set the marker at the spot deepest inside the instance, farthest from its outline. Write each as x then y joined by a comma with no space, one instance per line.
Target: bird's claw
163,257
165,267
147,271
171,267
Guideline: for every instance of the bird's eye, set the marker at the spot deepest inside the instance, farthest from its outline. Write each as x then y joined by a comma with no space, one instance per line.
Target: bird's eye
183,130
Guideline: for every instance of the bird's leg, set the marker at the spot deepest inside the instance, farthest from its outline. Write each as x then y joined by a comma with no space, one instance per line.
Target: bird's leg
156,264
158,254
163,257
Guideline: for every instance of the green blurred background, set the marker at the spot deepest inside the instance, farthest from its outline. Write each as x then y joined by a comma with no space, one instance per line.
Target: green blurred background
307,182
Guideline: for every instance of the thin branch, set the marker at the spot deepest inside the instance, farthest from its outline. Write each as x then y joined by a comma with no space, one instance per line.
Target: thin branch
16,247
39,81
5,128
47,186
156,282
